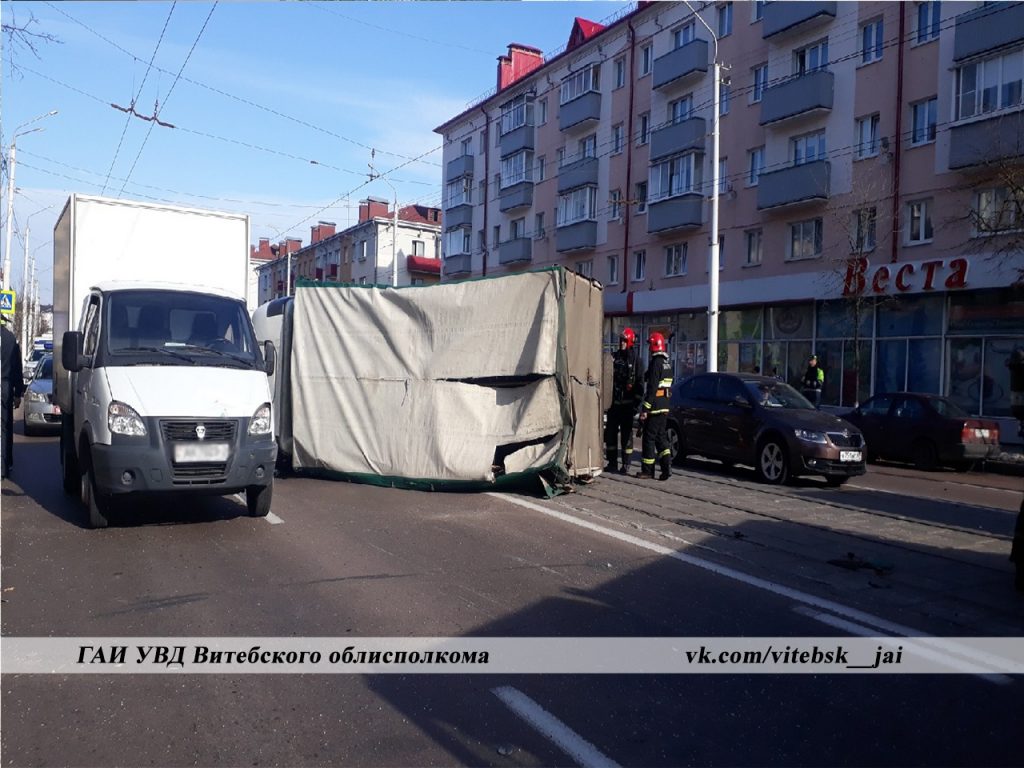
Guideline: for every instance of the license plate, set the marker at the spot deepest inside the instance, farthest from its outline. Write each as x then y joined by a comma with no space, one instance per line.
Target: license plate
186,452
849,455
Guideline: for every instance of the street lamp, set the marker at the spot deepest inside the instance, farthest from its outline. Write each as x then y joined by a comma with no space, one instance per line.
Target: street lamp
12,155
712,356
25,290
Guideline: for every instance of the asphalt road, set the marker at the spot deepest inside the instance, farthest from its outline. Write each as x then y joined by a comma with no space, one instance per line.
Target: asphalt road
911,552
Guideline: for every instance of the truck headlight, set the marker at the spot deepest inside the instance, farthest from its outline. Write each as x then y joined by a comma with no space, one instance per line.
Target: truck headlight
809,436
35,397
260,422
124,420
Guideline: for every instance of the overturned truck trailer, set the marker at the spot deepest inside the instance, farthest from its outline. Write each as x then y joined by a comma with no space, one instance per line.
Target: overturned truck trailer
462,385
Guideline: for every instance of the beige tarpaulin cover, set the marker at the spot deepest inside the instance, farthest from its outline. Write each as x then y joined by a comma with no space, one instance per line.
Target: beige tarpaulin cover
457,382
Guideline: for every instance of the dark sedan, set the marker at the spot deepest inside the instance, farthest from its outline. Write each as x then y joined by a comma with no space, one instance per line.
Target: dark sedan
927,430
757,420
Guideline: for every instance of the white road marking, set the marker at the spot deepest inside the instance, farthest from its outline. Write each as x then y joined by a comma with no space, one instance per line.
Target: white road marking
945,660
566,739
744,578
273,519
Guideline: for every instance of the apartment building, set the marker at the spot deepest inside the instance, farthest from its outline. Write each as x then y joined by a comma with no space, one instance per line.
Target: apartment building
869,189
362,254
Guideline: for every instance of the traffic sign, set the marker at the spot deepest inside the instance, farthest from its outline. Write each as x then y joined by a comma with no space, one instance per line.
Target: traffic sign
8,302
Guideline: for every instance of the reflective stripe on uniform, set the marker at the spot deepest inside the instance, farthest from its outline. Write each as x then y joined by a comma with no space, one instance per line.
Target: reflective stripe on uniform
646,404
660,410
628,451
647,461
666,452
667,383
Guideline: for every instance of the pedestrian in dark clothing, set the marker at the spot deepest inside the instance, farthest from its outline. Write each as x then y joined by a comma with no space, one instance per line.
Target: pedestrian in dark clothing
813,381
654,413
12,387
627,389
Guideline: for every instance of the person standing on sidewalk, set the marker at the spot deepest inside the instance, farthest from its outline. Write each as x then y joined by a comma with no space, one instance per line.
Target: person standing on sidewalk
813,381
654,413
627,389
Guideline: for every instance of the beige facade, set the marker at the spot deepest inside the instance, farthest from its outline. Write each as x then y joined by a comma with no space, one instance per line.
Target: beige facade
855,153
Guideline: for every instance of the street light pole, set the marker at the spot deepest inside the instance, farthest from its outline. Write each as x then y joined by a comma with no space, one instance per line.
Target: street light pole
26,288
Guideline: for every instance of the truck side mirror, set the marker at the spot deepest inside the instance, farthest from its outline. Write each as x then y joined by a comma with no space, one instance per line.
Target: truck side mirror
71,351
269,357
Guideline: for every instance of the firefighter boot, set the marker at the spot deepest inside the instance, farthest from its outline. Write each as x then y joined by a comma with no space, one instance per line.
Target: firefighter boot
666,468
646,470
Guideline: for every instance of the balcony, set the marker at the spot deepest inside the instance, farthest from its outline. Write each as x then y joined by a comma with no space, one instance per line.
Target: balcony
798,96
580,111
682,212
516,140
981,142
517,196
422,265
676,66
796,184
459,216
577,174
580,236
788,17
460,166
988,28
518,251
686,136
459,265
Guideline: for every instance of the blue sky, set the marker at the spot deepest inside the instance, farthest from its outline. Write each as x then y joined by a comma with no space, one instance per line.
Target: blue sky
273,113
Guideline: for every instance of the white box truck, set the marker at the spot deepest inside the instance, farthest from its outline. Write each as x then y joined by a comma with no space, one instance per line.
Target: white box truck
161,383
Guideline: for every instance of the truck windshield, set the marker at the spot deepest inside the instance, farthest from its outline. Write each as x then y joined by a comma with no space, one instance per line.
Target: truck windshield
178,328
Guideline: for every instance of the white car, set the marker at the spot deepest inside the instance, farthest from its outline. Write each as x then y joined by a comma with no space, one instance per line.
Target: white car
38,411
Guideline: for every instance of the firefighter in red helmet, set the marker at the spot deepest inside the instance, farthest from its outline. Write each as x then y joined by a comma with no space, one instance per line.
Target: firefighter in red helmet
654,411
627,389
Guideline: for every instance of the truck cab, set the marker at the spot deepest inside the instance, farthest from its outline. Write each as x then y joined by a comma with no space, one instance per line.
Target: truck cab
165,390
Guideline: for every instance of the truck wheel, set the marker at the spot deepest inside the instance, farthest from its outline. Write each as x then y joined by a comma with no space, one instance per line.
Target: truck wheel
257,499
95,502
70,474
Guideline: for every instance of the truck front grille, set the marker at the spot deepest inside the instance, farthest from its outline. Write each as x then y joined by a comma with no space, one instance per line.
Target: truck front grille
221,431
205,473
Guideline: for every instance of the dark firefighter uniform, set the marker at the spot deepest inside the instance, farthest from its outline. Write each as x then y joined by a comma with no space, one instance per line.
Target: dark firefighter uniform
627,389
655,414
13,387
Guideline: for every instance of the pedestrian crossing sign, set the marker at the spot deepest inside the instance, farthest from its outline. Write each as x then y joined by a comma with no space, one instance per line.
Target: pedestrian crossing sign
7,302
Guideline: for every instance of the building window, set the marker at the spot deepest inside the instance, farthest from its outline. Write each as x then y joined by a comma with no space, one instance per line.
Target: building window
675,260
538,174
578,205
613,270
644,134
754,246
538,225
928,21
618,139
459,192
517,168
919,222
587,147
864,229
680,109
871,45
641,197
585,268
517,229
724,97
496,235
418,281
362,281
361,250
725,20
723,176
481,240
542,108
560,156
924,121
467,147
989,85
805,239
456,242
676,176
808,148
811,59
755,165
615,205
867,137
515,114
998,210
684,34
760,82
620,72
646,60
759,9
639,266
419,248
579,83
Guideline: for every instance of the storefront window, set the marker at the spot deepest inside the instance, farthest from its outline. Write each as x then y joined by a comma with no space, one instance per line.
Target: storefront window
691,358
965,373
830,360
836,318
995,382
978,313
692,326
798,353
737,324
794,321
911,316
891,366
856,389
925,365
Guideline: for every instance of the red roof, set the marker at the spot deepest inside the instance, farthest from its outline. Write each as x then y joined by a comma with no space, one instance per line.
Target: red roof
423,264
583,30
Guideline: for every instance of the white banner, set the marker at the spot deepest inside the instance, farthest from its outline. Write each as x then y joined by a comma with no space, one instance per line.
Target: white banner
507,655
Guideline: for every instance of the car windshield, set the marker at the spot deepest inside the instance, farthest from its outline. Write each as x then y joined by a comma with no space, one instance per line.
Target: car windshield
37,355
947,408
45,370
777,394
176,327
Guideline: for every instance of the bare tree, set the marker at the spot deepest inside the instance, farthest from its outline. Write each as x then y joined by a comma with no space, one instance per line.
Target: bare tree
23,36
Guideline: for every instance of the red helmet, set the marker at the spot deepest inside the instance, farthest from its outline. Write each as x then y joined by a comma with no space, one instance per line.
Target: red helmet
628,336
657,342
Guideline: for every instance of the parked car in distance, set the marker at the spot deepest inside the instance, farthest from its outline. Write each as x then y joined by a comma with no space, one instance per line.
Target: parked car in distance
28,368
928,430
38,412
763,422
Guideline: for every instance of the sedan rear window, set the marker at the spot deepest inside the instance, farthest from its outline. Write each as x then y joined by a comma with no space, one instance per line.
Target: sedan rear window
947,408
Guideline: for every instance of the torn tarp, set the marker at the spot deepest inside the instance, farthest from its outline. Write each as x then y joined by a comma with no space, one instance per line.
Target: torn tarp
457,384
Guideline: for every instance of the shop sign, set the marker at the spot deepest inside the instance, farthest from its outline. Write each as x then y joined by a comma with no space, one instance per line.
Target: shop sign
909,277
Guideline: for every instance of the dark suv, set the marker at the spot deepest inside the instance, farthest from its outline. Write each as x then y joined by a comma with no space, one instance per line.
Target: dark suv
757,420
